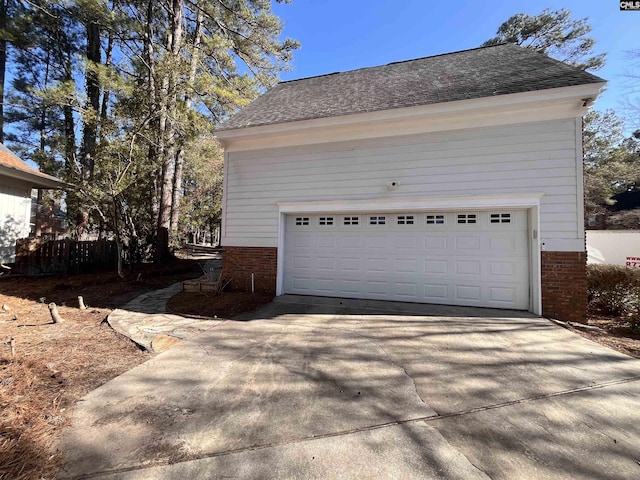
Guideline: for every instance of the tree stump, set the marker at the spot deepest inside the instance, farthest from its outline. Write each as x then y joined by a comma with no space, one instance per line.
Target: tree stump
55,315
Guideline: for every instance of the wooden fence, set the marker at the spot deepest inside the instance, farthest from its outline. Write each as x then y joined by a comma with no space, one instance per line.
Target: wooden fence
36,257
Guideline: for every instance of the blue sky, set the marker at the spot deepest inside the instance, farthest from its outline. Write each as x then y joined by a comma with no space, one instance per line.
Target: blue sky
339,35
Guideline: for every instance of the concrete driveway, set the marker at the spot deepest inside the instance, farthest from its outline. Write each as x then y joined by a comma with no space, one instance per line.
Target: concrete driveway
324,388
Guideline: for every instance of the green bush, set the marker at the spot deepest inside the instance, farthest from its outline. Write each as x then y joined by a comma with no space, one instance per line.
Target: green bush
615,290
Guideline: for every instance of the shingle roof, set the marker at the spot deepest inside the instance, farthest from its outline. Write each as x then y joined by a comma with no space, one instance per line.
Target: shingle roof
477,73
12,166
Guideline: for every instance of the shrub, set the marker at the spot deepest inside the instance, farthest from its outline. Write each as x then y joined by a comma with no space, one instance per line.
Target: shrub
615,290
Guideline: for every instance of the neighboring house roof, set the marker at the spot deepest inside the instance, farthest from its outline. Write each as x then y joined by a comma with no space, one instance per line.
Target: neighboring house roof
11,166
469,74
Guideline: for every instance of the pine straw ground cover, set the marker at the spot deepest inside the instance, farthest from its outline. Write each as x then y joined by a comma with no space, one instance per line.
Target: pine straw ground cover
56,364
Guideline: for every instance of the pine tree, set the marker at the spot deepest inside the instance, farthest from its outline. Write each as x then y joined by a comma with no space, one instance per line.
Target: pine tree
117,91
553,33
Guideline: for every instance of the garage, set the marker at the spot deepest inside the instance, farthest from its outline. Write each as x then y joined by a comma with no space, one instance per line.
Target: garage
473,258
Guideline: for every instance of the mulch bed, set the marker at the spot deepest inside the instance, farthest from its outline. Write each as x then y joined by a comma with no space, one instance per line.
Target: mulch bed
221,305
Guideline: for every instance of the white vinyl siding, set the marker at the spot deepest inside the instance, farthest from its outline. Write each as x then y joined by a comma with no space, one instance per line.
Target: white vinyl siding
15,212
537,157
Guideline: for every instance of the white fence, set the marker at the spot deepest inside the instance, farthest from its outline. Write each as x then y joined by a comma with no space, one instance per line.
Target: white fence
618,247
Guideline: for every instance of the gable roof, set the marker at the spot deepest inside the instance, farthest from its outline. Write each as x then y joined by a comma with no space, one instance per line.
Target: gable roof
477,73
11,166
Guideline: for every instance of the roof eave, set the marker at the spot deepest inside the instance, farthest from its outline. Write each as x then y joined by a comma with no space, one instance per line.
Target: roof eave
41,180
573,100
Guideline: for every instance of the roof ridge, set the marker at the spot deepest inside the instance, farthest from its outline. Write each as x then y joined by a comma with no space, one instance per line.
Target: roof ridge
482,47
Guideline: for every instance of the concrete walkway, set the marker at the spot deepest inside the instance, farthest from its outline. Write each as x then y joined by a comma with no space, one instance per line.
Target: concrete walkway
314,388
145,319
146,322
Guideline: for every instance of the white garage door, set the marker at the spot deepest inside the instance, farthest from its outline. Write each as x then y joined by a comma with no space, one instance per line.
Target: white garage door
452,258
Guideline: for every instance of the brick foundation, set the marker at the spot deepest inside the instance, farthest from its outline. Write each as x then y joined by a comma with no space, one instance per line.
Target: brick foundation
564,285
238,263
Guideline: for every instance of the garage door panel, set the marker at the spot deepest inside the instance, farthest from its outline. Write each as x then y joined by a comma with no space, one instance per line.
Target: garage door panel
435,266
350,242
375,265
465,243
502,268
433,243
303,283
481,263
406,266
351,287
436,293
325,264
407,290
350,265
377,287
468,292
405,242
468,268
302,263
302,241
324,242
503,294
502,245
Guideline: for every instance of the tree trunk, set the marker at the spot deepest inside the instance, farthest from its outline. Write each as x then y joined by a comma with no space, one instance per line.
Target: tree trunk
69,126
155,144
193,68
104,108
93,97
177,189
39,212
168,127
3,64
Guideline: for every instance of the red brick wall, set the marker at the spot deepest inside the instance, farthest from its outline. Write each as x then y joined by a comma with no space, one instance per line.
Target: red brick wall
564,285
238,263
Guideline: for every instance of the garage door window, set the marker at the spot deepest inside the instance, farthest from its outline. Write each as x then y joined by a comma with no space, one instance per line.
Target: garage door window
302,220
500,218
351,221
467,218
435,219
406,219
379,220
324,221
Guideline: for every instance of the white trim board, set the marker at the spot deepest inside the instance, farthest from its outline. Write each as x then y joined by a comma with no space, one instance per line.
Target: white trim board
477,202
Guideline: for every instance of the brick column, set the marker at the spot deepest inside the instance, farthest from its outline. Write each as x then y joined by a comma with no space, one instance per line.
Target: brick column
564,285
238,263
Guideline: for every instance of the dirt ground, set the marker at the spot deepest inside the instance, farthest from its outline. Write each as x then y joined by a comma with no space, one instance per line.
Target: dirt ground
614,333
56,364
